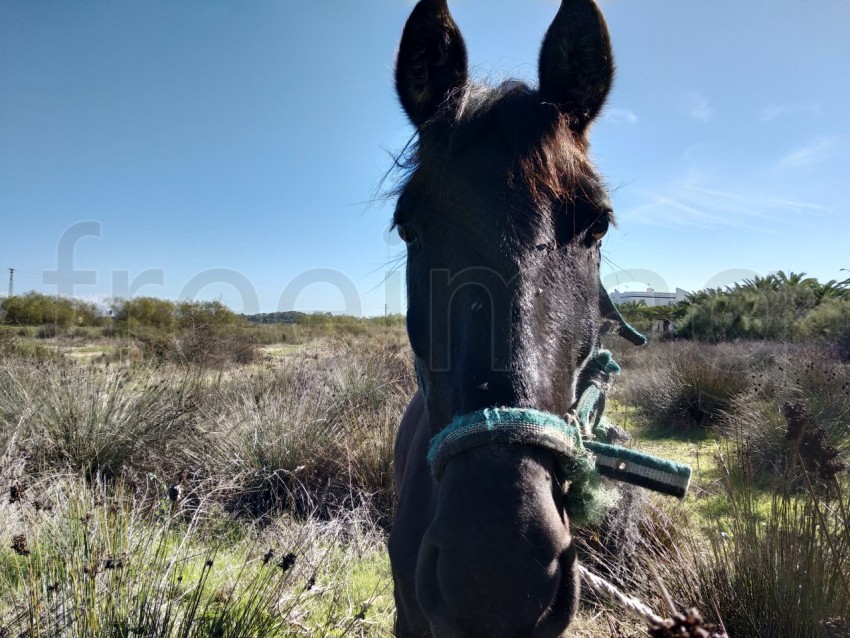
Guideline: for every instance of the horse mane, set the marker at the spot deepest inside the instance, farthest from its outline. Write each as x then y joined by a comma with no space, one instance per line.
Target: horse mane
551,158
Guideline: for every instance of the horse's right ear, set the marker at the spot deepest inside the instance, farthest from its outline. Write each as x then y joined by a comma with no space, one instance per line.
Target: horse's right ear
431,62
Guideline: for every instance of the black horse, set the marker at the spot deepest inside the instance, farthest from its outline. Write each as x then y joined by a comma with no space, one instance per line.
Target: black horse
502,214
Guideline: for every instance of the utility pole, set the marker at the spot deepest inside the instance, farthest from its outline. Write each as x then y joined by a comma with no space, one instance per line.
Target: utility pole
11,281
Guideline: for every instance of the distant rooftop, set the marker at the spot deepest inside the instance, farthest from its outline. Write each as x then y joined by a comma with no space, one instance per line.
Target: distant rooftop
650,296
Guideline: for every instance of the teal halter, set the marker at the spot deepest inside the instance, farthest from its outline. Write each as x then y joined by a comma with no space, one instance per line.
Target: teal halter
573,444
521,426
582,458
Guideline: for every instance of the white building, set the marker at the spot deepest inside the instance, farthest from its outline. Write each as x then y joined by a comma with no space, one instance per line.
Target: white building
650,297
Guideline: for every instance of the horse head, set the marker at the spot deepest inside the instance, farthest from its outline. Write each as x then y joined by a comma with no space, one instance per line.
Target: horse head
502,214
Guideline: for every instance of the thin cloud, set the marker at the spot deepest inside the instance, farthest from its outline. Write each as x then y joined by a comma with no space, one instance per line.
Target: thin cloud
620,116
742,203
773,112
699,107
688,202
814,152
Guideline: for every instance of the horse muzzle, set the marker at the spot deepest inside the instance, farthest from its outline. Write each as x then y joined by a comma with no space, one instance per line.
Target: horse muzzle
498,559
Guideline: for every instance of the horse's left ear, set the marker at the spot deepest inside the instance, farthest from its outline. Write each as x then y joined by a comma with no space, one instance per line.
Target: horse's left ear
431,62
576,62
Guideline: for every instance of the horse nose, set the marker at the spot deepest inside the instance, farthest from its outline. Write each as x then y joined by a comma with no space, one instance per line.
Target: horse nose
465,598
438,572
565,604
429,594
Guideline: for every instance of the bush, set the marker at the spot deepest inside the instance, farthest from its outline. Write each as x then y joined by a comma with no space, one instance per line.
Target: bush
156,345
12,346
763,308
829,323
96,420
207,346
47,331
315,435
313,432
168,317
35,309
775,569
716,319
149,312
804,376
211,345
680,385
204,315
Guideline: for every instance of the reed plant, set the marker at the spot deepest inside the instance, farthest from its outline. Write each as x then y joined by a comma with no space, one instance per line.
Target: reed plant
104,561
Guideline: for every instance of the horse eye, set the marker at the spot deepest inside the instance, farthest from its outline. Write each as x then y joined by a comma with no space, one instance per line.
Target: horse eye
599,228
407,233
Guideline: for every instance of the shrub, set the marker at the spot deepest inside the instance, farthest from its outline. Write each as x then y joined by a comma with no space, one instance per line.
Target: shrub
778,569
314,434
203,315
156,345
829,323
205,346
150,312
12,347
211,345
96,420
681,385
762,308
47,331
167,316
35,309
802,375
716,319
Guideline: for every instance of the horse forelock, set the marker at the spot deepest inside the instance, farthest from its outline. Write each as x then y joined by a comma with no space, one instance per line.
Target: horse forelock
552,162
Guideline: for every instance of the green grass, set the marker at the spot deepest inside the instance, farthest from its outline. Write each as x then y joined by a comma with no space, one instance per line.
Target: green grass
293,453
779,565
276,456
105,564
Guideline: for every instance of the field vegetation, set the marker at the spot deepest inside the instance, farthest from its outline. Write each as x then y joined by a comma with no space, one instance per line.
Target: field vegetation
172,469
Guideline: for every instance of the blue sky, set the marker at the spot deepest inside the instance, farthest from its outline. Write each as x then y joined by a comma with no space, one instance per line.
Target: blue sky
234,150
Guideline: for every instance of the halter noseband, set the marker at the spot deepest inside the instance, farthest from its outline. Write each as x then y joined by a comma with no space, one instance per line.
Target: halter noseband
520,426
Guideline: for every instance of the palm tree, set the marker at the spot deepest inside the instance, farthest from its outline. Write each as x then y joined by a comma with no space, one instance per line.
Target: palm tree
757,283
631,310
795,279
832,289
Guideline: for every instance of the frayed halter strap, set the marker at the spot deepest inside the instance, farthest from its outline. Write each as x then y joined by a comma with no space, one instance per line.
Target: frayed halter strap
531,427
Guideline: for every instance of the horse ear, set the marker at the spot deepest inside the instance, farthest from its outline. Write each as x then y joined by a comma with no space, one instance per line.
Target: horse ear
431,60
576,62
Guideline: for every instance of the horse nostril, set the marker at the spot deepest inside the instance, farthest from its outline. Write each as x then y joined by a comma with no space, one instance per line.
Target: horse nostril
427,588
564,605
428,592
